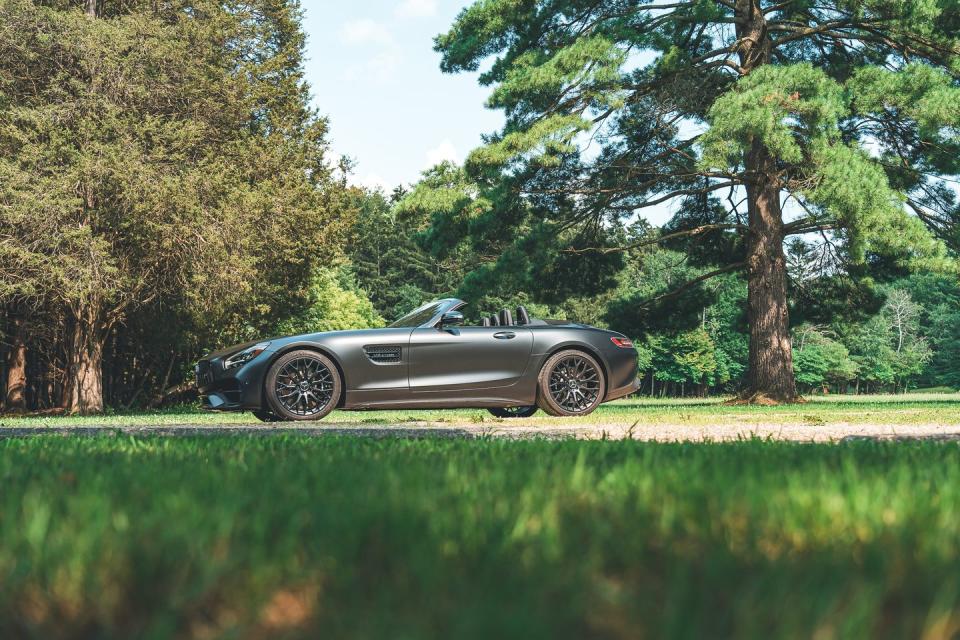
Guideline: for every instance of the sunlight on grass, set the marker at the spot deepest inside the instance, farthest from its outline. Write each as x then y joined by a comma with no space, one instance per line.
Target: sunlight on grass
918,408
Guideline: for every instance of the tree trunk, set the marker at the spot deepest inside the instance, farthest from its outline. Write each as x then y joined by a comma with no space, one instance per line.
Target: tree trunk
90,8
770,374
15,397
84,389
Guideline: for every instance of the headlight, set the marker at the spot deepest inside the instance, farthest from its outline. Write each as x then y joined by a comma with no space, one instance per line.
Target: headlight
245,356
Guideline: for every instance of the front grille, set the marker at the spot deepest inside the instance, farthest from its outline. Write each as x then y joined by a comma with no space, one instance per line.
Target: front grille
204,374
383,354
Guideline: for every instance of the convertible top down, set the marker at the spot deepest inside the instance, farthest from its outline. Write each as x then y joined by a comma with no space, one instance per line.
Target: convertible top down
511,365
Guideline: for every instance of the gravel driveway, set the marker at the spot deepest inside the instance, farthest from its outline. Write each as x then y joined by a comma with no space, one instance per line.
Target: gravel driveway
830,432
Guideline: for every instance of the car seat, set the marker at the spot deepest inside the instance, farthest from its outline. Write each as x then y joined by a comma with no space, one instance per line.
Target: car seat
522,316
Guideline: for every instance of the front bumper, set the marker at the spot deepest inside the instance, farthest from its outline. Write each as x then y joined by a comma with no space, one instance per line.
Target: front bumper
237,389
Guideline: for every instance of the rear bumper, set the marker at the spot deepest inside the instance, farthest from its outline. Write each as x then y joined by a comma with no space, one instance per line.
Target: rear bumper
625,390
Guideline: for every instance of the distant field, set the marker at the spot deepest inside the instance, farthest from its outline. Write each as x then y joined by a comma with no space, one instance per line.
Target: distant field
910,409
354,538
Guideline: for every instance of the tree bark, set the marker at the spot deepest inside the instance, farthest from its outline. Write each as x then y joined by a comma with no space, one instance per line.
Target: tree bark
84,389
90,8
770,373
15,397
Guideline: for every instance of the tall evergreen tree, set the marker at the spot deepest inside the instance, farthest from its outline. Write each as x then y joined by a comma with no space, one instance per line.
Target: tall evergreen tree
156,151
390,265
849,110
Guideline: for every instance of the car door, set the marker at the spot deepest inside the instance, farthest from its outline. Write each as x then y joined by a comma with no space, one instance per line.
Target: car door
468,357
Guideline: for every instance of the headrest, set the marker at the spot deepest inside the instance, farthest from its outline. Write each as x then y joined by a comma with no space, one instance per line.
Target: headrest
485,321
506,318
494,321
522,316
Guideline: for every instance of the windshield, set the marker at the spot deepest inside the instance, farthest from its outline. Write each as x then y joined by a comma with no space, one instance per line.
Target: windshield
419,315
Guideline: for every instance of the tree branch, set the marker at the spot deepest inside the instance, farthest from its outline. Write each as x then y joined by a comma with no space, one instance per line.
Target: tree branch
692,283
670,236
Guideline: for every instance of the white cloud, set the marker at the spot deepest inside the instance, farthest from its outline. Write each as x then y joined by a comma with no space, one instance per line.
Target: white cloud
374,181
416,9
443,151
365,31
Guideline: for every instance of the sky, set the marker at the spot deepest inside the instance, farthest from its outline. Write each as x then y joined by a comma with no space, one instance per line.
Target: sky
373,72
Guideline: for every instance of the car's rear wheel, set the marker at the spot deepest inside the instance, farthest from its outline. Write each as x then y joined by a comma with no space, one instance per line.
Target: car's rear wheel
513,412
571,383
303,385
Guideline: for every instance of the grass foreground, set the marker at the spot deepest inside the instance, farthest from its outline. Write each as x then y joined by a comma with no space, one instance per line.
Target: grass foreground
290,537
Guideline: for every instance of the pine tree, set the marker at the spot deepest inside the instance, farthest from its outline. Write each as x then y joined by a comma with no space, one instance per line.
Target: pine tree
848,110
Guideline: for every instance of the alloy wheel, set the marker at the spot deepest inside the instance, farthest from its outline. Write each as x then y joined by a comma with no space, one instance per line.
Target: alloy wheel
574,384
304,386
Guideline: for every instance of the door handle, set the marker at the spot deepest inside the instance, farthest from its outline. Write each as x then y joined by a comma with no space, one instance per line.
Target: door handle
504,335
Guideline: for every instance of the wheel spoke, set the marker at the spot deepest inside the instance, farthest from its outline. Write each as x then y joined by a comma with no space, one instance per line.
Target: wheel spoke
304,386
574,384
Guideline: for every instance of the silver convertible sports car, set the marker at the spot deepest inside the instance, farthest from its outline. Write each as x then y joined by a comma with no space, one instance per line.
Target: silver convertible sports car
511,365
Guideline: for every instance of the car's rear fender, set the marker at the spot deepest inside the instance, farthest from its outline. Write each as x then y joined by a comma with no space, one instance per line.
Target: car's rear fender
574,345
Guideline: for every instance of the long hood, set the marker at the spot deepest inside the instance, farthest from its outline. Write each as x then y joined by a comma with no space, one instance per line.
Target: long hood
279,341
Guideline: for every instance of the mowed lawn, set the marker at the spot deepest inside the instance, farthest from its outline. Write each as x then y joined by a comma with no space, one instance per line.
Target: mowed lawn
941,409
293,537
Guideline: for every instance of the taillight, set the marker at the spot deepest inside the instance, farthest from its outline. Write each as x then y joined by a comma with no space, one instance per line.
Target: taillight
623,343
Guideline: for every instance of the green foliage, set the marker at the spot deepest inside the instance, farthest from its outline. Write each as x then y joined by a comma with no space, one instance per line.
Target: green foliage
847,110
771,105
939,318
132,179
820,361
889,348
448,200
388,261
334,304
299,537
687,357
158,159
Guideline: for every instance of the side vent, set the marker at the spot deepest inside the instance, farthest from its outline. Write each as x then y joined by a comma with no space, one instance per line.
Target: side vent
383,354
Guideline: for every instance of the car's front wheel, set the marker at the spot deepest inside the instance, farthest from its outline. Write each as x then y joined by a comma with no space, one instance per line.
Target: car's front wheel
571,383
303,385
513,412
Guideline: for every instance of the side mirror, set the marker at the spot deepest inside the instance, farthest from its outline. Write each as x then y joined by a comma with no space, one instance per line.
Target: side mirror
451,318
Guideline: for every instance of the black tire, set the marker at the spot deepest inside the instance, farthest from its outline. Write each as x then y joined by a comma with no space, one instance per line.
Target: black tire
303,385
265,416
571,383
514,412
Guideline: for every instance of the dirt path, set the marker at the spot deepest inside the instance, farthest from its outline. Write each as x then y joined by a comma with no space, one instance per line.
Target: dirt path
831,432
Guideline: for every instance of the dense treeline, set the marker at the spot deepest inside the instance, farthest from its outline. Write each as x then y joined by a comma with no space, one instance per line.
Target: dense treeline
883,332
166,188
757,121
